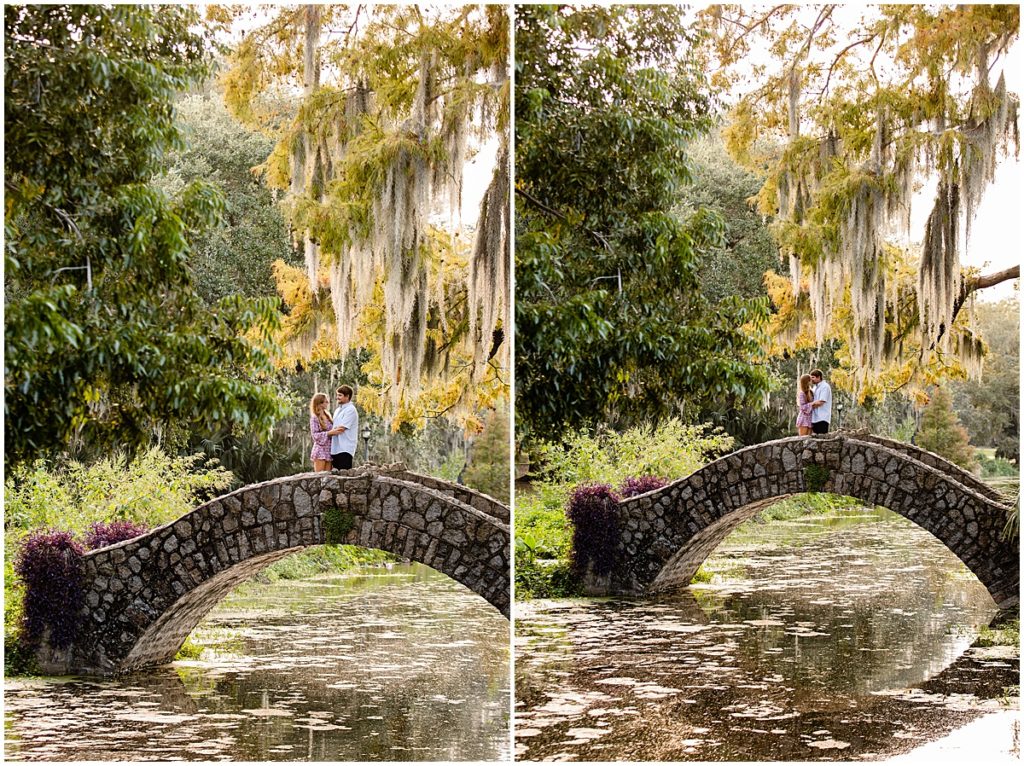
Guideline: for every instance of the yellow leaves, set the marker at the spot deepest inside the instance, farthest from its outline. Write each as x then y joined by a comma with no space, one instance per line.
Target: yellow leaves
790,328
740,133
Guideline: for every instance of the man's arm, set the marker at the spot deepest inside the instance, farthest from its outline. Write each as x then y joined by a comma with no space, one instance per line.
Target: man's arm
826,399
337,429
347,417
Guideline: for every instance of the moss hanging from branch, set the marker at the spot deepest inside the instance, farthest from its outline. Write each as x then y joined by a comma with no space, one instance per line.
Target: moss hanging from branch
392,113
868,114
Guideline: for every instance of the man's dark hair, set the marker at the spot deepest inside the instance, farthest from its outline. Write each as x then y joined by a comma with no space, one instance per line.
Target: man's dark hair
346,390
817,374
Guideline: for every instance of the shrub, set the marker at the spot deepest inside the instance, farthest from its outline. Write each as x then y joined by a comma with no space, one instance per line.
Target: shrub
593,513
634,486
101,534
151,489
671,449
49,563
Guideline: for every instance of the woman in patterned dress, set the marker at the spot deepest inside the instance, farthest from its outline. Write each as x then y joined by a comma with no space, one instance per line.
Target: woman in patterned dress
804,397
319,424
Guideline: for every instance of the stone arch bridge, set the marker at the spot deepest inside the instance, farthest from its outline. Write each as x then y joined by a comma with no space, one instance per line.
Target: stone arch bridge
144,596
666,534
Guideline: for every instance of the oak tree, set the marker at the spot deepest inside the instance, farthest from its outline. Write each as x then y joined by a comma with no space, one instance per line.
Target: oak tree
848,112
106,339
385,107
612,323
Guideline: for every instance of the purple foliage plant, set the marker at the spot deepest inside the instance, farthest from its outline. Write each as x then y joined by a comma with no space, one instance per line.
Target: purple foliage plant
101,534
593,512
49,563
638,485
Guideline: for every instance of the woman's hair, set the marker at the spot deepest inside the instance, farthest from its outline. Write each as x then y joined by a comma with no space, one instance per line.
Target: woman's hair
314,403
805,384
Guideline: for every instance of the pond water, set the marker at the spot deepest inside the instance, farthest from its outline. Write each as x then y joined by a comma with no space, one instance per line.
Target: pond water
400,665
823,638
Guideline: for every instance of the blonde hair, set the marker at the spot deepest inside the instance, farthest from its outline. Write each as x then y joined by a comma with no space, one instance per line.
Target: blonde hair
314,409
805,385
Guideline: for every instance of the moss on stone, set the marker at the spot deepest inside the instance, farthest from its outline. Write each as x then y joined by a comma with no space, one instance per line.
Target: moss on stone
815,477
337,524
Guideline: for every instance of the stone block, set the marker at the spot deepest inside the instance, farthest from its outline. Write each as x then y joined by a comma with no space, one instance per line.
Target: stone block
303,503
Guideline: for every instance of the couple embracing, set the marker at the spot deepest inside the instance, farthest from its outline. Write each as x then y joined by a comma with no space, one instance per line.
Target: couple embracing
814,404
334,438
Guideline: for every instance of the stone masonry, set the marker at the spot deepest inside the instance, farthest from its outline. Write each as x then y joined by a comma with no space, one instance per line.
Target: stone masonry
665,535
144,596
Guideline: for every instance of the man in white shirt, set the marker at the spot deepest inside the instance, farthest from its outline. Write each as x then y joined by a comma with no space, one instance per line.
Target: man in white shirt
345,431
821,412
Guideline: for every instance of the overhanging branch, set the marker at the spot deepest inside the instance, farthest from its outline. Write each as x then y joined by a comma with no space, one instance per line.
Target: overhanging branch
973,284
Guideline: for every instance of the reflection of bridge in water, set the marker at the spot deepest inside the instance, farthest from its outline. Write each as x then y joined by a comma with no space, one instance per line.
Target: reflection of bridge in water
144,596
666,534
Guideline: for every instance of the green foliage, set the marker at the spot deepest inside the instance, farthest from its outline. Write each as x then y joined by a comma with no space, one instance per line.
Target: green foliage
747,250
252,459
106,339
337,524
815,477
543,533
189,650
540,521
612,323
318,560
1011,529
452,467
990,409
702,575
941,432
1006,634
234,257
996,467
538,577
816,503
19,659
488,468
151,489
670,449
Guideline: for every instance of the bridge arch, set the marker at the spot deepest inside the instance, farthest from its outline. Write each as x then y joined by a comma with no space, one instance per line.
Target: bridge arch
666,534
144,596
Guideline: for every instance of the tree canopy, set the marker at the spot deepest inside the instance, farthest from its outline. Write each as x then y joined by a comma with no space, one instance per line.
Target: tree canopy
852,112
106,339
990,409
236,256
370,155
612,323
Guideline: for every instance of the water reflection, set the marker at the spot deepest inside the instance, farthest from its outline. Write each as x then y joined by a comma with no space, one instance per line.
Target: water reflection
790,653
403,665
